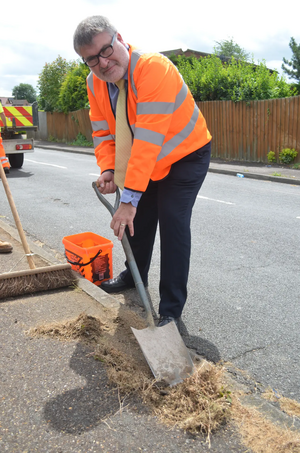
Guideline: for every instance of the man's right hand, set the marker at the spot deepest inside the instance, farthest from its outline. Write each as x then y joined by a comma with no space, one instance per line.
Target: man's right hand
105,183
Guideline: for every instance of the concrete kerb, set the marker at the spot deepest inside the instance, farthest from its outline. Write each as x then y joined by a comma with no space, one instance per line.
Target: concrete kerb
258,176
63,147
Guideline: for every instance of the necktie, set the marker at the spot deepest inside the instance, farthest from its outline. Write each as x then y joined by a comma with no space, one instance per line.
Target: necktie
123,137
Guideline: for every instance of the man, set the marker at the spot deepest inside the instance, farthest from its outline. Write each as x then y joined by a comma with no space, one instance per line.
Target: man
169,156
3,158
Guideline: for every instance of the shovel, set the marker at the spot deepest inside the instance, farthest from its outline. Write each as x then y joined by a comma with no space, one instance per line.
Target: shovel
163,347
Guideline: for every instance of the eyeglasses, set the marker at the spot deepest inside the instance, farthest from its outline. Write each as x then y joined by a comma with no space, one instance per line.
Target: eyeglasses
104,53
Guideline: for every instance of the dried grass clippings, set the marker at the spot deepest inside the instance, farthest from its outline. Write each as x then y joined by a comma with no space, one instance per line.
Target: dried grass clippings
84,328
287,405
200,404
260,434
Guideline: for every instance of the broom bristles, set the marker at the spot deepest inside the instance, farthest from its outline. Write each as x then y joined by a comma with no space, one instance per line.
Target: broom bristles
14,284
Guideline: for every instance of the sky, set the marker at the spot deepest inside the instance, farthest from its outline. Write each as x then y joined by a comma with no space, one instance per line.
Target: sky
34,33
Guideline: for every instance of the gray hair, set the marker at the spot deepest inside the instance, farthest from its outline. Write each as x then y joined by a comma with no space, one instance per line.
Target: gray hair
89,28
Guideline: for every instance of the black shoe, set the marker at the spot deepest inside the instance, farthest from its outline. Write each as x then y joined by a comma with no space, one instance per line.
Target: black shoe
115,285
6,170
164,320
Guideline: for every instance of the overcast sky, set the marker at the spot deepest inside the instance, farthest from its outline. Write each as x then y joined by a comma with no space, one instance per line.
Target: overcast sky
34,33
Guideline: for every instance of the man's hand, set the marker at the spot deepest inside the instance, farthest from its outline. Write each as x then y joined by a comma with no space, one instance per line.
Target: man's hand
105,183
123,217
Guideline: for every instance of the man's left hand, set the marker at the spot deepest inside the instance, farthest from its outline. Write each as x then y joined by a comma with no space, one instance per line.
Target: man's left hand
123,217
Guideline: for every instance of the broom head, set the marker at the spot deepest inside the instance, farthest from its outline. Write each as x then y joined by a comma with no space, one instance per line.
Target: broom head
18,283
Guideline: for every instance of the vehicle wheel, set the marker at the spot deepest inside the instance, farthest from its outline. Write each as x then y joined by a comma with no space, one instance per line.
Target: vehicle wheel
16,160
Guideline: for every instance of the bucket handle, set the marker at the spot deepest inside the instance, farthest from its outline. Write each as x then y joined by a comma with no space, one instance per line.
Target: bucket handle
83,264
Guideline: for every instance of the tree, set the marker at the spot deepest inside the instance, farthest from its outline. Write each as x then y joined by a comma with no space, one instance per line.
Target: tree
228,49
176,58
294,63
24,91
73,93
50,81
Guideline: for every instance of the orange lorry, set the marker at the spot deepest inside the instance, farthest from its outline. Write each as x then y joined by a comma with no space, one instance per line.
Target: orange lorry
19,120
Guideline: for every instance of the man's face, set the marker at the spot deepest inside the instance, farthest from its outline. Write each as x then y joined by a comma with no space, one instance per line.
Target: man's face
110,69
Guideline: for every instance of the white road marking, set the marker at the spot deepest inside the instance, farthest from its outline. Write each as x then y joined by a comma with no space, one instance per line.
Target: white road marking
298,217
94,174
42,163
212,199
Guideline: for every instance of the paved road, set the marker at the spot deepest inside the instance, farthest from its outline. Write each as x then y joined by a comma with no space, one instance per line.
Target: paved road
243,301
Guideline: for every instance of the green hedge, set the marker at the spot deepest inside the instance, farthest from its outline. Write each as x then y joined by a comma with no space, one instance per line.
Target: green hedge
209,79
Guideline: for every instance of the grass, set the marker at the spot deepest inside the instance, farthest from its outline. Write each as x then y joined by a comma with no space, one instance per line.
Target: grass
79,141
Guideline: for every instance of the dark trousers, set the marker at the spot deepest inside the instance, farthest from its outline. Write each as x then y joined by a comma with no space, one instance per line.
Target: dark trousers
169,203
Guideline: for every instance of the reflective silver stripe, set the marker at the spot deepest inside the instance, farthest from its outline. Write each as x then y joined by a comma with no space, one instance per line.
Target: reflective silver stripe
135,56
133,61
180,137
181,96
155,108
90,82
155,138
98,140
100,125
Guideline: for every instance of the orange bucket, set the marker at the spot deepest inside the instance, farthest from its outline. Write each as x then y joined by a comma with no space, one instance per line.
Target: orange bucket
90,255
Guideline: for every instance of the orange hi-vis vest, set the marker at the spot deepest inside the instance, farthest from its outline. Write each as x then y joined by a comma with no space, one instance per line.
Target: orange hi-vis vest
166,123
3,159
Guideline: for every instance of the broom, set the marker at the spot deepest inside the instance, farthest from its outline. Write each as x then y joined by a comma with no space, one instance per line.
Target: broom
34,279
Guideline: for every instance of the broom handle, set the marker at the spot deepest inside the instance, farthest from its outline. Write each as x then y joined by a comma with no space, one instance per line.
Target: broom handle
17,219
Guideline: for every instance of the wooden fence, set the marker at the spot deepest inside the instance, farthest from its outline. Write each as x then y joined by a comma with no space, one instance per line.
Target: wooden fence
249,130
244,131
65,128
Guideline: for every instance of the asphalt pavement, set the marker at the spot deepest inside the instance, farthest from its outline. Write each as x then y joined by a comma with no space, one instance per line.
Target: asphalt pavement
54,398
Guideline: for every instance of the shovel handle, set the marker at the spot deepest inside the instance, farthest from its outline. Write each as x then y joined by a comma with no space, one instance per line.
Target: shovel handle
129,255
16,218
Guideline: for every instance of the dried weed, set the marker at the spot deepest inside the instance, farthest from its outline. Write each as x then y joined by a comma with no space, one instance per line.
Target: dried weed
84,328
122,370
200,404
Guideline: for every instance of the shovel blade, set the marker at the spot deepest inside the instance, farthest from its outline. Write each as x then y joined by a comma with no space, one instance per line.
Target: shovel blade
165,352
